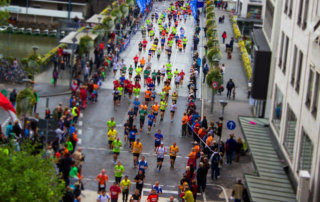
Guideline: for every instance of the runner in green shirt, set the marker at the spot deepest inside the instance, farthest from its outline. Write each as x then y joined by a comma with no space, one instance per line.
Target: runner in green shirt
124,70
162,95
118,171
111,123
168,65
136,92
143,113
170,75
163,105
130,71
184,41
116,144
154,75
176,72
171,43
139,70
120,89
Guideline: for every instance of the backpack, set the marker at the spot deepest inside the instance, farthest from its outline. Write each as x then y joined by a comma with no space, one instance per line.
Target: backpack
216,159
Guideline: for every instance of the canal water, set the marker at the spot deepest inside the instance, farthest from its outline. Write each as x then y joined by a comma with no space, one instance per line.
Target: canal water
20,45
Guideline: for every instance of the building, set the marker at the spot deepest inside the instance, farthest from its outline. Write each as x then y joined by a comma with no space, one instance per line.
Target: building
250,13
292,31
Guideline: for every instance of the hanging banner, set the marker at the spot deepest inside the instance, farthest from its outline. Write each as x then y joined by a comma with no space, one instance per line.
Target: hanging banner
142,5
200,3
193,7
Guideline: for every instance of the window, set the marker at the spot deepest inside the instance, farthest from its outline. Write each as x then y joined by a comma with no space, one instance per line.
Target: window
294,65
277,108
299,71
305,14
290,9
268,19
300,13
281,50
310,88
285,55
315,100
254,11
306,152
286,7
290,132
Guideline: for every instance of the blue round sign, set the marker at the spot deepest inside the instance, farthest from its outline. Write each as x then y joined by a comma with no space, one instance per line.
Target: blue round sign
231,125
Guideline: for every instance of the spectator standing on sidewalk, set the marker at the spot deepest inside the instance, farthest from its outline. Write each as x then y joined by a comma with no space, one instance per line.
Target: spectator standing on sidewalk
185,119
230,148
224,36
237,191
205,71
230,86
13,96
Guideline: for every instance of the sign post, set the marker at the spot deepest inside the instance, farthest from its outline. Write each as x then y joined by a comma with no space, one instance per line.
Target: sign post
231,125
214,87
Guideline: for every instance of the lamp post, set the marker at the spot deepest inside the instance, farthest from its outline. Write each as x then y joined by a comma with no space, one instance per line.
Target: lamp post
74,40
69,13
35,48
223,104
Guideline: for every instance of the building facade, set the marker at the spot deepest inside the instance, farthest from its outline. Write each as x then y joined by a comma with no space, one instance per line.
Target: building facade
294,86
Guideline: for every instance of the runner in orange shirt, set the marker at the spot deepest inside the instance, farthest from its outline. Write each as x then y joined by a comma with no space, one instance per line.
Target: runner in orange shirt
147,96
185,119
142,62
167,89
102,179
155,110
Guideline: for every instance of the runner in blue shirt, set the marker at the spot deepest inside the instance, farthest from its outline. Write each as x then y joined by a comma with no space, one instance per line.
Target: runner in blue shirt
136,106
158,137
132,135
157,187
151,118
143,164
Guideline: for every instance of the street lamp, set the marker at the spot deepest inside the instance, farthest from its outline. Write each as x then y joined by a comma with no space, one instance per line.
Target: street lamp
74,40
223,104
35,48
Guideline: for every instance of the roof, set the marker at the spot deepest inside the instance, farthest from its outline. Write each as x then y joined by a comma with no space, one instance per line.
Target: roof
271,182
42,12
60,2
260,40
68,39
94,19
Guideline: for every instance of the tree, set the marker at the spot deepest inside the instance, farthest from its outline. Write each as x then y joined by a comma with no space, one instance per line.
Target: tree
4,14
26,177
25,102
214,75
85,44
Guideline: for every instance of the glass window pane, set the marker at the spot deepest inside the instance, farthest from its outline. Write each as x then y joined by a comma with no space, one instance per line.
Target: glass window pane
306,153
310,88
277,108
290,133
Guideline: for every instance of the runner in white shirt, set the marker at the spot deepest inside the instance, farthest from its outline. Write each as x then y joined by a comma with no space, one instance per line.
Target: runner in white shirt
163,71
161,151
103,197
173,108
115,68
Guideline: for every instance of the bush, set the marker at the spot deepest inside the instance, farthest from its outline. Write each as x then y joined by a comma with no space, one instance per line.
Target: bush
214,75
85,44
214,54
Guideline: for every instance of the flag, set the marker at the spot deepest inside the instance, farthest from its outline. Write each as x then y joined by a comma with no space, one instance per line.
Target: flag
6,104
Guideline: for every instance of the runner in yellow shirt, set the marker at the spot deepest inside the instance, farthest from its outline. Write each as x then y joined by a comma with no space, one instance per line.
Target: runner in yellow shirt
112,135
136,150
174,149
163,105
125,187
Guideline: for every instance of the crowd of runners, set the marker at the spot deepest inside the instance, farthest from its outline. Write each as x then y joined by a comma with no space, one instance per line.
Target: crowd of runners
152,92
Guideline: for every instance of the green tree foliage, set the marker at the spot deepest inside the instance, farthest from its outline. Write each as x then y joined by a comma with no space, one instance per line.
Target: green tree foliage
214,75
25,101
85,44
108,23
26,177
4,14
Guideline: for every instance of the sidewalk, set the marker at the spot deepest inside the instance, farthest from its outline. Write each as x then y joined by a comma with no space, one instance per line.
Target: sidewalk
234,108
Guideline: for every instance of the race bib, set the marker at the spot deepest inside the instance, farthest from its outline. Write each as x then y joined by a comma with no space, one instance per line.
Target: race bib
101,185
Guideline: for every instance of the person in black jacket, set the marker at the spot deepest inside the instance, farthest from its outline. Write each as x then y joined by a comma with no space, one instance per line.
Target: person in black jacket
202,177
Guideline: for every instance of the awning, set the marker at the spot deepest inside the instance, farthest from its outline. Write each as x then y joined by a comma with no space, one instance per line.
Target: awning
41,12
95,19
68,39
271,182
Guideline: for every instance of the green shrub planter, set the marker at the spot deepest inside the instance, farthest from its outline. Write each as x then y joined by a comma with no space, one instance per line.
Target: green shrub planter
214,54
211,15
108,23
124,8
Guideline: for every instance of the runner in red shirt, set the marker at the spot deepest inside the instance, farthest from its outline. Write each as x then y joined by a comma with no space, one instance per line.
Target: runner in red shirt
130,89
181,74
136,60
116,84
144,44
153,197
137,85
114,192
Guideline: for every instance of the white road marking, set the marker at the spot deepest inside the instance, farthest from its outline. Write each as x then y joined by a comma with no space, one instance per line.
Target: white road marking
81,114
79,141
79,131
143,153
6,122
80,123
163,191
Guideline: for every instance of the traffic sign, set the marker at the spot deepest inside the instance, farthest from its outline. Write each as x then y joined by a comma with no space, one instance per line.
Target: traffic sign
231,125
214,85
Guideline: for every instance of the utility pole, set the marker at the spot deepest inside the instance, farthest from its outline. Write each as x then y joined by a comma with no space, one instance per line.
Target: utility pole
69,13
